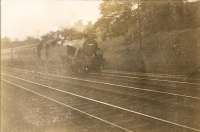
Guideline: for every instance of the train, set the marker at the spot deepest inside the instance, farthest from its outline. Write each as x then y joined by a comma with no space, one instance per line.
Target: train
77,56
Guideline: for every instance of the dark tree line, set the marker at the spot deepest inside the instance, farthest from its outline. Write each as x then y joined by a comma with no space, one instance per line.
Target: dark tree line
158,35
120,17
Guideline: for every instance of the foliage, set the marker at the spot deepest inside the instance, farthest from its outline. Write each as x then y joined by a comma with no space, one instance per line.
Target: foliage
152,36
144,17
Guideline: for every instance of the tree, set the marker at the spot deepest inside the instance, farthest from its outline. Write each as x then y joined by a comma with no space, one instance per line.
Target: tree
31,40
116,17
120,17
5,42
161,16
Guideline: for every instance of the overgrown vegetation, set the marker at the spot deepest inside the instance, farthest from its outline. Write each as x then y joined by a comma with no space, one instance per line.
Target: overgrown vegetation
150,36
139,35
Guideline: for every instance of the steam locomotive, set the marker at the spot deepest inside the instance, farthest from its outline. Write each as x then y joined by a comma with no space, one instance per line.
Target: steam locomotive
79,56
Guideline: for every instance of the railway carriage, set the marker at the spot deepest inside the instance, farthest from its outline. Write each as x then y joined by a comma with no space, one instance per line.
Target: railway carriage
79,56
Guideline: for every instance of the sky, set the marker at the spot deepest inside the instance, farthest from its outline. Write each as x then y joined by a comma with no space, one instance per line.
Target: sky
22,18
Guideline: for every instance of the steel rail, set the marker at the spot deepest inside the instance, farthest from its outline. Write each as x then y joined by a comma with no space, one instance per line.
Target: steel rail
145,74
71,107
151,79
116,85
111,105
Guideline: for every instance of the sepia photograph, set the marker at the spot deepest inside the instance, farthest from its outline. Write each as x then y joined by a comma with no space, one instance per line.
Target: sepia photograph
100,66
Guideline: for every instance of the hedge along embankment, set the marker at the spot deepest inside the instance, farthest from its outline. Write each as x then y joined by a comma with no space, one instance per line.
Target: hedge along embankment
174,52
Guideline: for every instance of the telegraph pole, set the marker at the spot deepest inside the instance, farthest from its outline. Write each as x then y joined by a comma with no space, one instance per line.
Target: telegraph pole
139,25
140,37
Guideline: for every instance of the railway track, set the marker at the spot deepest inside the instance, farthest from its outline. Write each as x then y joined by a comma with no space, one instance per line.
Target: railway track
137,110
145,74
186,90
150,79
154,77
47,111
158,96
157,85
